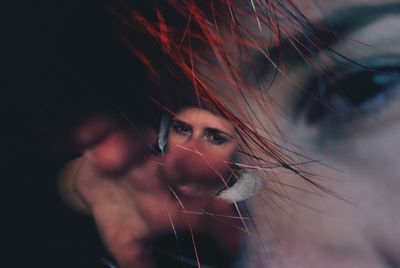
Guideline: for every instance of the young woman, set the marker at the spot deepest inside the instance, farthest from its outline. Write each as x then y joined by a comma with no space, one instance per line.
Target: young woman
319,98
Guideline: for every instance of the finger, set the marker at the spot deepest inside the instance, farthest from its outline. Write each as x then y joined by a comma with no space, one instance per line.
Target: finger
145,178
92,130
163,212
120,151
121,226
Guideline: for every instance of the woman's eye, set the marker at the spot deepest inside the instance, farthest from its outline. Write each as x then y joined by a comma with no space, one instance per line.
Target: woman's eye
216,138
347,96
182,129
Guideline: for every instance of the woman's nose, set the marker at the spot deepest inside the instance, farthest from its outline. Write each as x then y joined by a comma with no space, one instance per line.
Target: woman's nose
196,142
196,137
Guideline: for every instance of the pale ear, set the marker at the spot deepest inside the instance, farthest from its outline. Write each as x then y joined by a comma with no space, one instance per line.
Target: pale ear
246,187
163,133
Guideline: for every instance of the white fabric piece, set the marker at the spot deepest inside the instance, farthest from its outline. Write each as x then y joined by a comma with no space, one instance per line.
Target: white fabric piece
246,187
162,134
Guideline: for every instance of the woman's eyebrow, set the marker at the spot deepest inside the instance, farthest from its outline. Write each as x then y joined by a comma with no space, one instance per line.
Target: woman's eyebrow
181,122
321,35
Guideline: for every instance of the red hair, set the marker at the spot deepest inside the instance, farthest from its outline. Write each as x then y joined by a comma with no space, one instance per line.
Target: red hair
173,38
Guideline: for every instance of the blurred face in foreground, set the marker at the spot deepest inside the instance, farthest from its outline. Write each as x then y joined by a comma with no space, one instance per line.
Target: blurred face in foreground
348,117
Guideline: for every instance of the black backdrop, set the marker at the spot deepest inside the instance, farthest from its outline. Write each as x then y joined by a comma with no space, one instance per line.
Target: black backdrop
60,60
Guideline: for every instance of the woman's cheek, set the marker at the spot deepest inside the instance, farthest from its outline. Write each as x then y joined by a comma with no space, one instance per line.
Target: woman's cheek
374,151
175,139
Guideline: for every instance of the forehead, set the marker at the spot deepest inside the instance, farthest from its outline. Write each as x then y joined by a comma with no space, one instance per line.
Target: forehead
203,118
328,7
329,23
316,10
334,10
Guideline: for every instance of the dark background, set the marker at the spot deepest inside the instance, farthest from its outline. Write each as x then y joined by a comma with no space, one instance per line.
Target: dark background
60,62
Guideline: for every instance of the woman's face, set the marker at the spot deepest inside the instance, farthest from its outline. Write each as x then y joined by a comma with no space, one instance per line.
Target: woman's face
194,126
195,130
347,119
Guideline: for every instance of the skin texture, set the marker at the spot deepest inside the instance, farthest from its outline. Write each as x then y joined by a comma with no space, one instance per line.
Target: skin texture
135,196
313,230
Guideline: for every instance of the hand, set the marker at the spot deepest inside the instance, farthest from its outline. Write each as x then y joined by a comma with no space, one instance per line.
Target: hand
135,196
